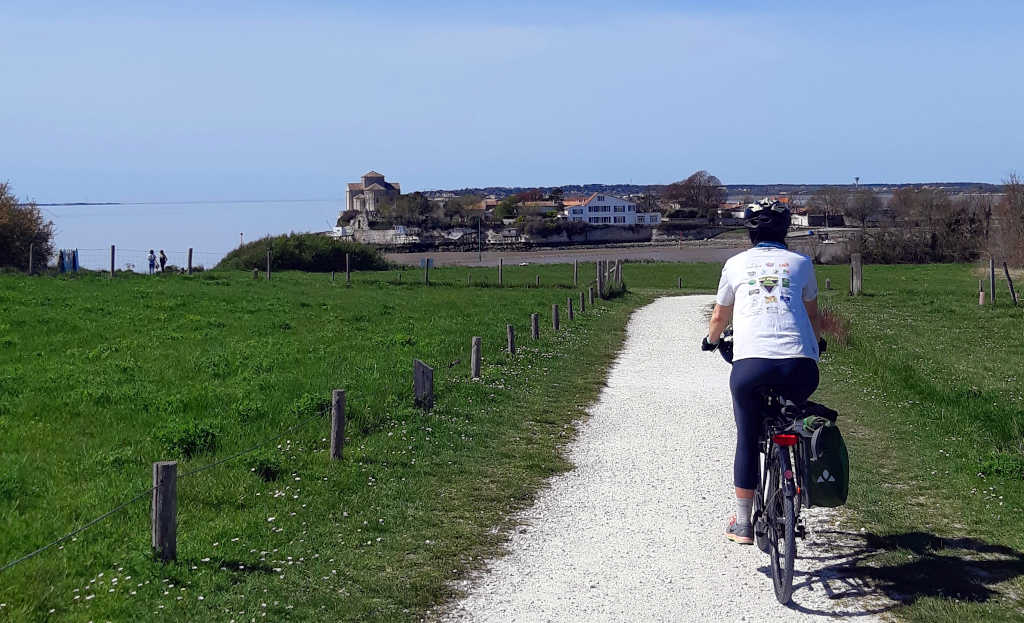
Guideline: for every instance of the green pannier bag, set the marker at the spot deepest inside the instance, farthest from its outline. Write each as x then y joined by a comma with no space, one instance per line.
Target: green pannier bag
825,462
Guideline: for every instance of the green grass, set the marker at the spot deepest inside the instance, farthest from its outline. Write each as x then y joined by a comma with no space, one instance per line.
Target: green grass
99,378
931,392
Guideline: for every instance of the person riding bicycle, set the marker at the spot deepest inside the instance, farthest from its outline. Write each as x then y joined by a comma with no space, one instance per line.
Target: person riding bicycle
770,295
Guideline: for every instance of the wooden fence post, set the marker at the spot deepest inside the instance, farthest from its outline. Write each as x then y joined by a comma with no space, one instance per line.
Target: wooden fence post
590,295
600,284
426,271
423,384
164,510
255,273
538,281
618,273
583,304
1009,282
337,423
474,359
856,274
501,265
679,283
268,264
111,261
511,339
828,284
597,267
570,314
190,260
31,248
981,297
348,270
535,326
575,273
554,317
991,280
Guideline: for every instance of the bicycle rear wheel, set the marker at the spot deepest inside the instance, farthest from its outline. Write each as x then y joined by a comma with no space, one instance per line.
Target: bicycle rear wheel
781,531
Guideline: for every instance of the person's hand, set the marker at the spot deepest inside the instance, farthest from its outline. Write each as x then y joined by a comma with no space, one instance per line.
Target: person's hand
707,345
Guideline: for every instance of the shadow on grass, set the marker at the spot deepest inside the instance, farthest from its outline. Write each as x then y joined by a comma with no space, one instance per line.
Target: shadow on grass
883,572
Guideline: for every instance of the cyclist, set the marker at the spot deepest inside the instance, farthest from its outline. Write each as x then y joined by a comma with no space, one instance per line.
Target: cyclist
770,294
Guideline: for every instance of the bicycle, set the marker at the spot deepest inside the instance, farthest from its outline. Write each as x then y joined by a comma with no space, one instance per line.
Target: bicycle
780,490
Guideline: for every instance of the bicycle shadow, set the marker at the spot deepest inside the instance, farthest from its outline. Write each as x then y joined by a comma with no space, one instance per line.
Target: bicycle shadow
879,573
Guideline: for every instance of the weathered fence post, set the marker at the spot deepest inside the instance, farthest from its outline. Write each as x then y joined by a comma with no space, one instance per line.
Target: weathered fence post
469,279
31,248
679,283
423,384
600,285
538,281
575,273
255,273
828,284
111,261
992,280
554,317
190,260
535,326
570,314
583,304
856,274
337,423
268,264
164,510
1009,282
618,273
474,359
426,271
590,295
348,270
511,339
981,297
332,276
501,264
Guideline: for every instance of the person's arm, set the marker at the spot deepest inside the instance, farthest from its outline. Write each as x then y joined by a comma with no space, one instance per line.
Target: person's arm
720,319
812,313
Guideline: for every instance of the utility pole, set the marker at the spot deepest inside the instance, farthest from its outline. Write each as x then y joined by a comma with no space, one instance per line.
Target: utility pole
479,242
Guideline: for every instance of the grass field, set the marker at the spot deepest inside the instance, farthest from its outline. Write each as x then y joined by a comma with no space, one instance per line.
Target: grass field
932,399
99,378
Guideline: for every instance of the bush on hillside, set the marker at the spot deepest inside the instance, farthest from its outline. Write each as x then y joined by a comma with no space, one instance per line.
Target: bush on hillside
308,252
22,226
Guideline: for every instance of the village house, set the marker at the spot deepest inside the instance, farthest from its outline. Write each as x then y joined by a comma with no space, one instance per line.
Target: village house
610,210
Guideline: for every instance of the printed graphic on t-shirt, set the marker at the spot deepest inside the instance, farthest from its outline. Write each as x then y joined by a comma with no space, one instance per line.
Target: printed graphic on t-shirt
771,288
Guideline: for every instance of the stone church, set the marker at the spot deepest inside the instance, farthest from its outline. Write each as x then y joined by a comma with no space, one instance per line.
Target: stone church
367,196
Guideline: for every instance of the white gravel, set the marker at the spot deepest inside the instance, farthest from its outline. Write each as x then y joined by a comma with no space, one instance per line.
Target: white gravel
634,532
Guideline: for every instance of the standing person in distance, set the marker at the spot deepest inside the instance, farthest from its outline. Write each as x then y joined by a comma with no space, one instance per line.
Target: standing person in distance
163,260
770,295
152,262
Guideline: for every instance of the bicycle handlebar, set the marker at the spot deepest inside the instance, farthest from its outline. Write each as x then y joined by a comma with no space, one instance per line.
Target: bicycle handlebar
725,346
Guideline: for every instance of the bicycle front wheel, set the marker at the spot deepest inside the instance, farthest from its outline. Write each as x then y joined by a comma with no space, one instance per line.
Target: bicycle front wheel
781,533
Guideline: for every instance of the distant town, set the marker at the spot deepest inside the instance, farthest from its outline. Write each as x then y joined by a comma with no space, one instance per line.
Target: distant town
696,208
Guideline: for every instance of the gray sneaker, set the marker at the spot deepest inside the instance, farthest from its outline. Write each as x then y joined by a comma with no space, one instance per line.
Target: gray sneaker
739,534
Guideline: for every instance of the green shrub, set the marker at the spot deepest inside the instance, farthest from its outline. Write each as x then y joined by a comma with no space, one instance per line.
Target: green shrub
309,405
265,464
308,252
1009,465
188,438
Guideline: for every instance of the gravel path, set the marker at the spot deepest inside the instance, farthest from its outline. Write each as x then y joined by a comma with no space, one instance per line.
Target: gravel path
634,532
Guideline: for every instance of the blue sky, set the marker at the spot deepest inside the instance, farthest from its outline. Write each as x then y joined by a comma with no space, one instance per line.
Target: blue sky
112,101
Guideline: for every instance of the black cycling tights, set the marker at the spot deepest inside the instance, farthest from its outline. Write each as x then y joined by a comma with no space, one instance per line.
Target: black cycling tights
796,379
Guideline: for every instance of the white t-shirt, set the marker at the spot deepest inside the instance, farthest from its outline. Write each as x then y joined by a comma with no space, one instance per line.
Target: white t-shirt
767,286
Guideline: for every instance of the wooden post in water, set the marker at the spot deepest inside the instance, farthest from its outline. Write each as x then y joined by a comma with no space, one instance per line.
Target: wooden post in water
348,270
511,339
575,273
190,260
992,280
164,510
111,261
474,359
1009,282
337,423
423,384
501,264
569,313
554,317
583,304
31,248
535,326
856,274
